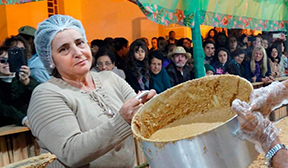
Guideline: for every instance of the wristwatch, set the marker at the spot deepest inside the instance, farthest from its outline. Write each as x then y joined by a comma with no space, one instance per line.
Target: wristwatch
272,152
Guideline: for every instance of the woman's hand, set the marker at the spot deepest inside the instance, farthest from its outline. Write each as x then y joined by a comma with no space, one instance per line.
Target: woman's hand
131,106
26,123
266,98
254,127
254,78
24,75
149,96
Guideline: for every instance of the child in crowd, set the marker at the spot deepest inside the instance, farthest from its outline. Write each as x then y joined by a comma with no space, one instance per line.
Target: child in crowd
137,74
221,60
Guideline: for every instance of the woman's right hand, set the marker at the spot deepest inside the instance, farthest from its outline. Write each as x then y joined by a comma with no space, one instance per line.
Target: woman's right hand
131,106
264,99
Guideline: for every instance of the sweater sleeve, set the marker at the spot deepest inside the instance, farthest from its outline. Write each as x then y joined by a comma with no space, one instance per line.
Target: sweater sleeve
57,128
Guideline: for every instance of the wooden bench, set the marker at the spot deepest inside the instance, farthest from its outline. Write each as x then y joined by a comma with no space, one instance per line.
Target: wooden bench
16,143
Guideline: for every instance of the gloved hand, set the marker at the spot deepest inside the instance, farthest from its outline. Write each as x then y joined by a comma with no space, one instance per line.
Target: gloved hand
254,127
268,98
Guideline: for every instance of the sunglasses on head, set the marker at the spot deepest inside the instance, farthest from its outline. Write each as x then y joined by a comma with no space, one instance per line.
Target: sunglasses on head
3,60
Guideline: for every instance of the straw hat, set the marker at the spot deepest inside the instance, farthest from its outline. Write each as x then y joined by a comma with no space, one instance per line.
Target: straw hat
179,50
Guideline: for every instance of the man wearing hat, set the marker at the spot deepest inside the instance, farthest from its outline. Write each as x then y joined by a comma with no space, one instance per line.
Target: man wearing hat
178,70
37,68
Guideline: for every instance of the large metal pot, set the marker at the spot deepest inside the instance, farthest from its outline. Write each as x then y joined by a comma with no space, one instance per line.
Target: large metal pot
218,147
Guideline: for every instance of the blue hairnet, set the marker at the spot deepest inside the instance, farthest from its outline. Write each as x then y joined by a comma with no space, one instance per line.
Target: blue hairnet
46,32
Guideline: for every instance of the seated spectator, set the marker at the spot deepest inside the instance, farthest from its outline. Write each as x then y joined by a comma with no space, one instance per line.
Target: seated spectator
209,70
233,44
154,44
258,69
235,67
274,60
146,41
209,50
15,92
221,60
221,40
169,48
37,68
211,35
105,61
159,78
172,37
283,64
162,43
137,74
121,46
178,70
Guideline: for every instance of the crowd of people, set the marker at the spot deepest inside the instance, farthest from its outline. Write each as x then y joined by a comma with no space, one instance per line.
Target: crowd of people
83,113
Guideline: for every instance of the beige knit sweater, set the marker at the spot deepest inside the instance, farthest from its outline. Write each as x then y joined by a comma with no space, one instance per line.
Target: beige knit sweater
73,125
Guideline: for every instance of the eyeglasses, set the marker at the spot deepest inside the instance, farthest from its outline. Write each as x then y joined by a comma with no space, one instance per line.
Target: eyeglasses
100,64
3,60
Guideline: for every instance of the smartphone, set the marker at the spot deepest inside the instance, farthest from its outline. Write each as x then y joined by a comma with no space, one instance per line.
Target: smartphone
16,58
276,35
252,38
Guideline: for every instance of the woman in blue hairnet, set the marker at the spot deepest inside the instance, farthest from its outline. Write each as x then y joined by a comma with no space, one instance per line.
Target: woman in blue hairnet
80,116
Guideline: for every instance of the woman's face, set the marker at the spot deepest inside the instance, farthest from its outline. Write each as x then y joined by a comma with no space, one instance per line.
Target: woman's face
265,43
104,63
212,34
71,54
139,54
156,65
283,48
258,56
221,40
239,58
274,53
232,43
222,56
4,66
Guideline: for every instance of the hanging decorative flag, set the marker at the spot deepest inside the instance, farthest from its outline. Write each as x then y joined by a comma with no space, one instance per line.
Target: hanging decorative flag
265,15
12,2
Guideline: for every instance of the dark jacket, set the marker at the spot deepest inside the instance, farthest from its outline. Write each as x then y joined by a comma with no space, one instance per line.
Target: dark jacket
120,63
14,100
133,81
235,69
248,73
160,82
175,76
219,68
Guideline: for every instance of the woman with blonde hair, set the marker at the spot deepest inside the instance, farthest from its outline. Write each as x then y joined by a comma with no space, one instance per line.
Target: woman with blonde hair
258,69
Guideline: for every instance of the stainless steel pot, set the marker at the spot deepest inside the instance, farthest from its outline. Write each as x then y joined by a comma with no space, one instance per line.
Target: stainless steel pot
217,148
